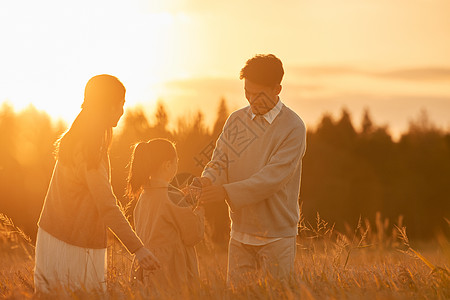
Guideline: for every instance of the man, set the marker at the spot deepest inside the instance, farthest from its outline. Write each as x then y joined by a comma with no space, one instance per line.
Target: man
256,167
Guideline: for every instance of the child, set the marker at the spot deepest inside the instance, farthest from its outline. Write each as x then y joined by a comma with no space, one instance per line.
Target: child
163,219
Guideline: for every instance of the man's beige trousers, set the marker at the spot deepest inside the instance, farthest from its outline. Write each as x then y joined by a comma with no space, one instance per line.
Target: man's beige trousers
249,262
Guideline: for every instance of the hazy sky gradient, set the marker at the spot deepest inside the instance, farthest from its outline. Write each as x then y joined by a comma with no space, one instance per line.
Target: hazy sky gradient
392,56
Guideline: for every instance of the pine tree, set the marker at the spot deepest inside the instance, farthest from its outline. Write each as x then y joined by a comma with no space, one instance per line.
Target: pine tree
161,117
366,124
222,116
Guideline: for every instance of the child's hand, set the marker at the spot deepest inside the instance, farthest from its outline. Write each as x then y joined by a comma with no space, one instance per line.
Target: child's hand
205,181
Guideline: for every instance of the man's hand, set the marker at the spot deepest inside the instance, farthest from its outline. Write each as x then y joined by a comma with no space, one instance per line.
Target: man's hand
213,193
198,182
204,181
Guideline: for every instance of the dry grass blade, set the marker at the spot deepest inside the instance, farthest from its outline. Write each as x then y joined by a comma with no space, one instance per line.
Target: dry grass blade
403,236
361,240
434,269
318,274
422,258
8,222
126,210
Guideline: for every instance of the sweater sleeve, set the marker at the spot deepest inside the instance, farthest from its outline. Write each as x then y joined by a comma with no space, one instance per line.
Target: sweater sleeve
100,189
217,168
273,176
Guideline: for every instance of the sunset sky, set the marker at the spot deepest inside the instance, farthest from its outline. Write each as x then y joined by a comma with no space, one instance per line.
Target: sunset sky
391,56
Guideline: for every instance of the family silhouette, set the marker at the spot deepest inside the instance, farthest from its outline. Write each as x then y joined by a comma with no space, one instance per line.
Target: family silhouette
255,169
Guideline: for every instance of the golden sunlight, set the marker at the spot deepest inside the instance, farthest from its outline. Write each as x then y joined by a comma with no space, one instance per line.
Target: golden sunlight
51,49
337,188
173,50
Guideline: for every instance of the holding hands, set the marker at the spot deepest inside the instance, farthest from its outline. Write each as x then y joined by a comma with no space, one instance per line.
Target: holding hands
210,192
204,191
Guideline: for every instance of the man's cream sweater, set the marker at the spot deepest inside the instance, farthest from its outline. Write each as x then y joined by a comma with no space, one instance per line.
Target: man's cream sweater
259,165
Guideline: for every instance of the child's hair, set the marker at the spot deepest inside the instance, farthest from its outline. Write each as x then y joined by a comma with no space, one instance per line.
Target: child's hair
146,159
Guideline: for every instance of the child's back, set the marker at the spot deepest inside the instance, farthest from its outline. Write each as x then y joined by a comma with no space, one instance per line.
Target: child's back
169,227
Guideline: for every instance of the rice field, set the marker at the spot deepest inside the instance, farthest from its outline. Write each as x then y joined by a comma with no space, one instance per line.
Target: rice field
369,261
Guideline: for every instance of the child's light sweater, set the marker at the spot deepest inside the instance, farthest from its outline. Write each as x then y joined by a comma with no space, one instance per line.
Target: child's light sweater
170,231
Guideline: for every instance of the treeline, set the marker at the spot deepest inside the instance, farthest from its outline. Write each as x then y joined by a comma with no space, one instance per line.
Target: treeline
348,171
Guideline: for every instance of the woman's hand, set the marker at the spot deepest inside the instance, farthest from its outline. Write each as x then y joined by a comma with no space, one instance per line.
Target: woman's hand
146,259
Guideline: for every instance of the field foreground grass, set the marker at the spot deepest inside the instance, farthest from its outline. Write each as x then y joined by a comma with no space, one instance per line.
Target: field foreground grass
364,263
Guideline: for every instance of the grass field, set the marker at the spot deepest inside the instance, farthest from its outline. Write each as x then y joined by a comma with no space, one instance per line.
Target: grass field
370,261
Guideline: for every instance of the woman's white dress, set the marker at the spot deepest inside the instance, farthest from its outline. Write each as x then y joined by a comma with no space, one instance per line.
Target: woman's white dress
61,265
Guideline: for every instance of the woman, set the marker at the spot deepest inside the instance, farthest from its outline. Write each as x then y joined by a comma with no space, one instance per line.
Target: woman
80,205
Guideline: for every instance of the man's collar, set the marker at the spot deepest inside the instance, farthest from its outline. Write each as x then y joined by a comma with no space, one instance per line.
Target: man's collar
271,114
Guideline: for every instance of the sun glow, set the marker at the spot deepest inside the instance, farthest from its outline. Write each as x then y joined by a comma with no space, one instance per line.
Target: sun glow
188,53
50,49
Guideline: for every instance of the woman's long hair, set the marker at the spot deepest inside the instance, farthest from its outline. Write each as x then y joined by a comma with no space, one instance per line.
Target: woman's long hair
146,159
91,133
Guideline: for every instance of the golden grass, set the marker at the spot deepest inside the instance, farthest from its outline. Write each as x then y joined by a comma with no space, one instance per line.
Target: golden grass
368,262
